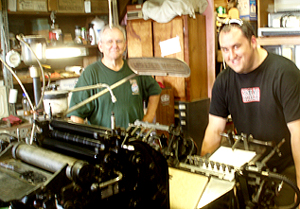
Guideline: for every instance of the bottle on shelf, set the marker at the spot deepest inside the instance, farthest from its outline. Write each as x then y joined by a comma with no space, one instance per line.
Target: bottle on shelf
55,35
26,106
91,34
84,35
78,37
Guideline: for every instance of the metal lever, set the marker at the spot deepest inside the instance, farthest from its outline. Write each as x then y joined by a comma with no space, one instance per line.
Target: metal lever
276,149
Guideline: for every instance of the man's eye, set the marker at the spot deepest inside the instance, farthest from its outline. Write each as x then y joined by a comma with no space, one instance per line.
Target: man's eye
224,50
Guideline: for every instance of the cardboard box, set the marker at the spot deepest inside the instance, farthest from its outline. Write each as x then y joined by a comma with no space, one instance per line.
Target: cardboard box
70,6
32,5
134,12
99,6
52,5
12,5
247,9
66,6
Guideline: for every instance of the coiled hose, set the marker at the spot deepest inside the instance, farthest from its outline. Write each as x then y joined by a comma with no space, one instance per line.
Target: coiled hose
290,183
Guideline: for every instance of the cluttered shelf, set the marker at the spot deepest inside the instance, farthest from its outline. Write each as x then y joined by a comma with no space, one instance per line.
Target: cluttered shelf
45,14
54,76
39,13
279,40
62,7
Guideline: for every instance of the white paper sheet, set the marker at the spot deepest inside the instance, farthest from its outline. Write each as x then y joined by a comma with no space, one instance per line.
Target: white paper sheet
236,157
170,46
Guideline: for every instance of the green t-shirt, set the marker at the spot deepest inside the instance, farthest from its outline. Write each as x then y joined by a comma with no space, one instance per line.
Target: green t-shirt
130,95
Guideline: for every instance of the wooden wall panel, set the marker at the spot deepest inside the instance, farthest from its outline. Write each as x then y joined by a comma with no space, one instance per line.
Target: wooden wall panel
192,36
163,32
197,57
139,38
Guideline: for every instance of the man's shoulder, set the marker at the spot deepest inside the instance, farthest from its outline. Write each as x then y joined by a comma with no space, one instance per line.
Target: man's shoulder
278,60
93,68
280,64
94,65
225,74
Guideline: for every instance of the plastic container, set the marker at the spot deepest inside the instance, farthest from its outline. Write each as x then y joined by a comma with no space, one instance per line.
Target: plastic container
78,37
26,106
38,44
56,102
98,25
91,34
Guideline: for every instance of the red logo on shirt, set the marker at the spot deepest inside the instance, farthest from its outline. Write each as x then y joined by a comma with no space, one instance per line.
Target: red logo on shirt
250,94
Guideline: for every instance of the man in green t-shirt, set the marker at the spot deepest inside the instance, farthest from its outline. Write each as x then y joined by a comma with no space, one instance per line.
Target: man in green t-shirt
109,70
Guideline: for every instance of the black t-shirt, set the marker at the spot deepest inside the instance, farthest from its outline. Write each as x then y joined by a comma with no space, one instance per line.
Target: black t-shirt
261,102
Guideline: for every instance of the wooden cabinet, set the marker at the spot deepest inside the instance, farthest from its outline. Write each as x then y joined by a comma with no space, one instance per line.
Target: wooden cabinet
139,38
144,38
165,109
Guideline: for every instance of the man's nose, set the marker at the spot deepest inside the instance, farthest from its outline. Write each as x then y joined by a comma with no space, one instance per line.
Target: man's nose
114,43
231,54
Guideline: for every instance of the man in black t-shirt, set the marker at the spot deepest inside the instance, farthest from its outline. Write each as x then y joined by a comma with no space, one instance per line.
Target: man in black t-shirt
261,92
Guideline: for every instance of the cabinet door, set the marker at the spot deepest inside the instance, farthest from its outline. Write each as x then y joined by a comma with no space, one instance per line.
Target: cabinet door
139,38
144,37
192,37
163,32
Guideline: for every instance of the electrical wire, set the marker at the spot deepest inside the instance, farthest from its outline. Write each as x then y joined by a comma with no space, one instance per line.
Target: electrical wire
20,38
19,81
33,108
290,183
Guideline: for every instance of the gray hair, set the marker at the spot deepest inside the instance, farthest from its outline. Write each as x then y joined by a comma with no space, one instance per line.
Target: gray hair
107,27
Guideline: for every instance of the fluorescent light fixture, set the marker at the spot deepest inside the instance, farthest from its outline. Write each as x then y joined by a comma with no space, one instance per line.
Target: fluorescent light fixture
65,52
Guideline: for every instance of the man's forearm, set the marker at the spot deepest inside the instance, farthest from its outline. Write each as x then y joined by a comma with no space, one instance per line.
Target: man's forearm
151,108
294,128
212,138
211,142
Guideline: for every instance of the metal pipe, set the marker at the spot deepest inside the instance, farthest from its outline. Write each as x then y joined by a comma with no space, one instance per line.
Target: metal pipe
75,107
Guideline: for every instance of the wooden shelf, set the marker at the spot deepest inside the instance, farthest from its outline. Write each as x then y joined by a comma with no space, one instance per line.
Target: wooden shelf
279,40
26,79
262,21
37,13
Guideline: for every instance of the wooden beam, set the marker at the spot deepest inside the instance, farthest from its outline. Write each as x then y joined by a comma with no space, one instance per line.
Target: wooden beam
123,8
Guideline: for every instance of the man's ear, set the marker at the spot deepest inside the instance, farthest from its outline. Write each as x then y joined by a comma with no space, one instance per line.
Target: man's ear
253,41
100,46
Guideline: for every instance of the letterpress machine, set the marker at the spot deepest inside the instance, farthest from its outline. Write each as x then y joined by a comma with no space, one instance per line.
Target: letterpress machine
68,165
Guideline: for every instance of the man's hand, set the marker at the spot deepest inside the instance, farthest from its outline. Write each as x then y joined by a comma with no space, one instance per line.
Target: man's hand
76,119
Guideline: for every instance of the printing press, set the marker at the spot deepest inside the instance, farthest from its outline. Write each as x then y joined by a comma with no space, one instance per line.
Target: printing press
64,165
83,166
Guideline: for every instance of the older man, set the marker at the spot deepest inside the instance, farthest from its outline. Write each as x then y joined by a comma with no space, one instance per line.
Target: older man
109,70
